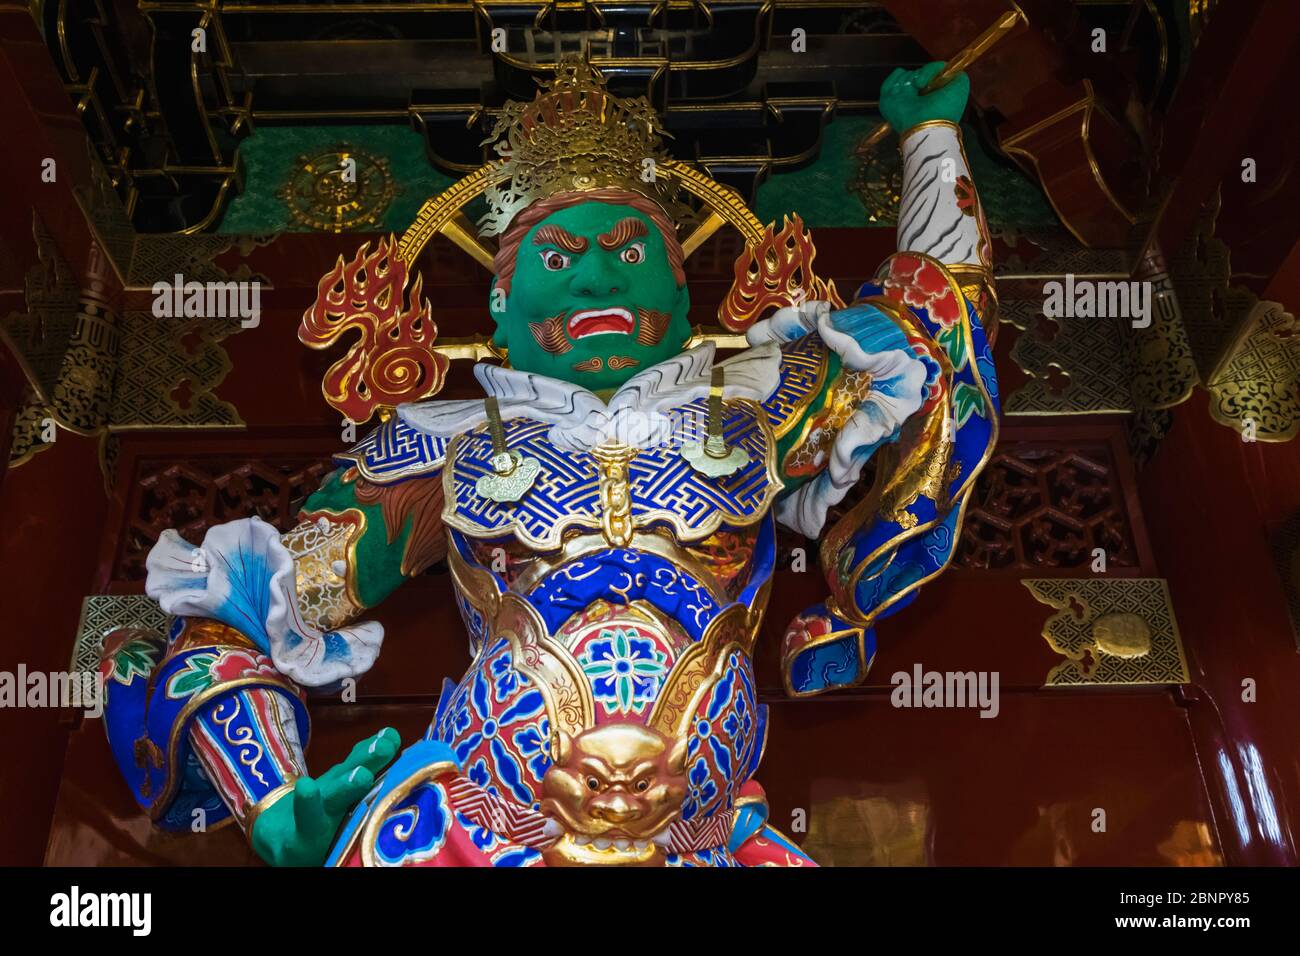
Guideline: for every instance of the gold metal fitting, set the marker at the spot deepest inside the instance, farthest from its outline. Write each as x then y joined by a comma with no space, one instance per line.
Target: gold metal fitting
712,457
513,474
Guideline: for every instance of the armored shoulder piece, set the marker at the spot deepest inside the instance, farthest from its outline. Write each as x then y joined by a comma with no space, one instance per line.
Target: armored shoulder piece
394,452
805,370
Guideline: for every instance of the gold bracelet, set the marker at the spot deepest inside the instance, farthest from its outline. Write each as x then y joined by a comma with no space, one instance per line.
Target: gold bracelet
252,813
929,124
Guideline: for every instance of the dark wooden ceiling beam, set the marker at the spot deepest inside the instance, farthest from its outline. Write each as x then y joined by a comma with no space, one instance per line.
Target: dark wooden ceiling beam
1242,71
1057,107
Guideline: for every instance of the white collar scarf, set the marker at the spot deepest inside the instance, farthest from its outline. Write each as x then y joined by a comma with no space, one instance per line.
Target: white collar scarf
637,414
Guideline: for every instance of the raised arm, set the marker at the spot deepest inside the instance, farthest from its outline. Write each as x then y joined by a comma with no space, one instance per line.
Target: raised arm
909,381
939,212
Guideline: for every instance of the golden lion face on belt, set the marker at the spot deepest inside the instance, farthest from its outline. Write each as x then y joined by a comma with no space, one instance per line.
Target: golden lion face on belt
616,789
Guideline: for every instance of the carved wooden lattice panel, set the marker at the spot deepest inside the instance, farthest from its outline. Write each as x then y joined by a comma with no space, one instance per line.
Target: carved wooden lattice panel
192,496
1047,506
1037,505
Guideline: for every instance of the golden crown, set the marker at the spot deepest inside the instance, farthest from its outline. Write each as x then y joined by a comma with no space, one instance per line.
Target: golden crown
576,136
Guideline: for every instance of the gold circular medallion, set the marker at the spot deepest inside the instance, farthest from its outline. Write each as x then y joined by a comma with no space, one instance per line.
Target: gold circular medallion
339,189
1122,635
878,183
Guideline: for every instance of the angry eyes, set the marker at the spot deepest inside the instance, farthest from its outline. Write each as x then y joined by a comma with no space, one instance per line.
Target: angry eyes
641,786
556,261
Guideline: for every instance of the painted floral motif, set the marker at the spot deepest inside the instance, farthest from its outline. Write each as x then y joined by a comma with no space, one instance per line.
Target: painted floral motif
207,668
967,401
127,657
923,284
724,745
534,745
625,669
497,726
233,665
505,679
195,676
478,773
805,630
702,790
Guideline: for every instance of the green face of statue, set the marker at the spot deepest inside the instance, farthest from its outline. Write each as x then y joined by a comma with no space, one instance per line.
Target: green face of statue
593,299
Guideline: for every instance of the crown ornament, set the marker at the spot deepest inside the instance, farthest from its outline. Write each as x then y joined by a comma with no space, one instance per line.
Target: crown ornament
573,137
576,136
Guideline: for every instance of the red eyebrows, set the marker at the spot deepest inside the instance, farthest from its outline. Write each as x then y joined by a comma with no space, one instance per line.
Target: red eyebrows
624,229
553,235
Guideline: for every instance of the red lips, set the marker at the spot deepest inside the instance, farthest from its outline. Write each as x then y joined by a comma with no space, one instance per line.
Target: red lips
600,322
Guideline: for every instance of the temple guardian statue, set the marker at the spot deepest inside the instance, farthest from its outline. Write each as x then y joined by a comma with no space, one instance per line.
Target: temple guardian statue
609,510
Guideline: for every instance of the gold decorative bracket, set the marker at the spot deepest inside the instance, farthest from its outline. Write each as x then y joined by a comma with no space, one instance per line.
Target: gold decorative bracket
1111,631
1255,385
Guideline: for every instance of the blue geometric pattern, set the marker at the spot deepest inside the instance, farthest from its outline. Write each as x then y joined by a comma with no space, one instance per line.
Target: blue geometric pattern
395,451
803,362
725,741
566,485
662,484
699,858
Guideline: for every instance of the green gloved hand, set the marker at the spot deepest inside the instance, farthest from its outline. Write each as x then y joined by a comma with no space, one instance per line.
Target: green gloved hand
903,105
298,829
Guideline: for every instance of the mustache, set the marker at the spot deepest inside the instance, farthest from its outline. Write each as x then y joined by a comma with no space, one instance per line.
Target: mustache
652,327
615,363
550,333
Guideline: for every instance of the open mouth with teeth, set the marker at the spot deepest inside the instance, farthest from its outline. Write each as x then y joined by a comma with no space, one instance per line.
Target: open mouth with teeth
612,796
600,322
579,849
